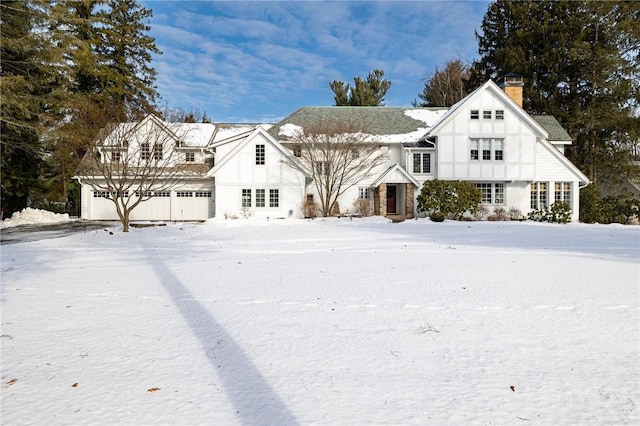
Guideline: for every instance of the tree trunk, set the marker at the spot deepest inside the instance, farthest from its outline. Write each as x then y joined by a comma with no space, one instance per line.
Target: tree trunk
125,221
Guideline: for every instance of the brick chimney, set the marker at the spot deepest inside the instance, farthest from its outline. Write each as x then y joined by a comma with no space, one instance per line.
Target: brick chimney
512,84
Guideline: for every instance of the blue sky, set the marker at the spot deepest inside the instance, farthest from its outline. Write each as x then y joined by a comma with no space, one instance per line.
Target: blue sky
259,61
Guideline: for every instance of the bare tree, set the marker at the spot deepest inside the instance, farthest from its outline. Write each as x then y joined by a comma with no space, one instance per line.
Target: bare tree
338,155
129,163
445,87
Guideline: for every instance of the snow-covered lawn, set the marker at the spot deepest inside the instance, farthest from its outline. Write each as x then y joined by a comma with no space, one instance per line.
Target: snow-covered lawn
330,322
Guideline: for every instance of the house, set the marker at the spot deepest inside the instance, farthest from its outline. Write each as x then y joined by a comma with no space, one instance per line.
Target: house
515,159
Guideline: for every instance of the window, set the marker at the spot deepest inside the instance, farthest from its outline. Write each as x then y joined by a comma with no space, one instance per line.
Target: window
246,198
157,151
497,149
475,114
100,194
492,193
274,198
145,154
538,195
297,151
189,157
486,149
322,168
364,193
260,194
259,155
163,194
474,149
203,194
184,194
421,162
492,149
486,114
563,192
499,114
115,157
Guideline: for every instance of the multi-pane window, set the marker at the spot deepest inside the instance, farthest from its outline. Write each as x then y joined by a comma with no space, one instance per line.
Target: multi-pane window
473,149
297,151
260,154
364,193
322,168
101,194
486,114
538,195
189,157
492,193
475,114
499,114
203,194
562,192
184,194
486,149
260,197
274,198
492,149
421,162
115,156
145,152
498,149
246,198
157,151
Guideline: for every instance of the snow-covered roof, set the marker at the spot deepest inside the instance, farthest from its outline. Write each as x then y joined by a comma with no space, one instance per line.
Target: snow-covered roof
382,124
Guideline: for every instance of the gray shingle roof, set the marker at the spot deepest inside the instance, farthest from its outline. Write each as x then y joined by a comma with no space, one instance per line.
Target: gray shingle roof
553,127
376,120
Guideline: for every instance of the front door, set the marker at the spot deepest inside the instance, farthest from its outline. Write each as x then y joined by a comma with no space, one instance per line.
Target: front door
391,199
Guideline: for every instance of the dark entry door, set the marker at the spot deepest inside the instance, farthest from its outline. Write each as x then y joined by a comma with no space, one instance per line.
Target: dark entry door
391,199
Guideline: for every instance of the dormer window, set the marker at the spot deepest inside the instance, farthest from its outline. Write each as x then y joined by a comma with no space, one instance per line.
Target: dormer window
189,157
475,114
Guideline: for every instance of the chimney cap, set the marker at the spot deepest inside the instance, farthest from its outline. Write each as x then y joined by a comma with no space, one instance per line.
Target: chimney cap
512,79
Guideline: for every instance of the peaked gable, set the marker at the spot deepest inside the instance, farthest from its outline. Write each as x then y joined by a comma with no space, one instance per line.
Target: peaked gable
505,99
244,139
395,174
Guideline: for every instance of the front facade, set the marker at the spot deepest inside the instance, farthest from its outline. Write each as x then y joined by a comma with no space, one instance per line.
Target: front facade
515,159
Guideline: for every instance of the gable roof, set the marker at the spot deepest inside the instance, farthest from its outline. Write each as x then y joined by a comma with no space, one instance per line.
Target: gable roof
383,124
491,86
556,132
192,134
397,169
242,140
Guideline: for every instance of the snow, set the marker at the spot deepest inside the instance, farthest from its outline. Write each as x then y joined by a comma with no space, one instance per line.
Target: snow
30,216
325,322
289,130
427,116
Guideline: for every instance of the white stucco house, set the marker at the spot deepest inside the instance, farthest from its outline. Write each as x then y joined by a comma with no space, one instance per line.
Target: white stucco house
515,159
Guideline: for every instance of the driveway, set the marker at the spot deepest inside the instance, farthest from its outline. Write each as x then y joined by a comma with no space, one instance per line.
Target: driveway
35,232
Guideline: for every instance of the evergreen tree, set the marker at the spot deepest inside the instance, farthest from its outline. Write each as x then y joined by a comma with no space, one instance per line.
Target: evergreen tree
106,67
365,92
446,87
24,82
580,62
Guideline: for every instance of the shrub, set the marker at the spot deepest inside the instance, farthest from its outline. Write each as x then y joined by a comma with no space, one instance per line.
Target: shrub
482,212
309,209
501,213
560,212
452,198
515,214
437,217
363,207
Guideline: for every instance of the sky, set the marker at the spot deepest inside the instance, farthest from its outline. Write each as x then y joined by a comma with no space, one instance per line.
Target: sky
260,61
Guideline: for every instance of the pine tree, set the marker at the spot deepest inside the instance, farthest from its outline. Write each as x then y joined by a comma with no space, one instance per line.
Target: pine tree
580,63
25,83
365,92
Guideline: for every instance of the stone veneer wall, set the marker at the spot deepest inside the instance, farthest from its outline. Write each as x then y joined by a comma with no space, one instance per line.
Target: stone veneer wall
380,200
408,201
